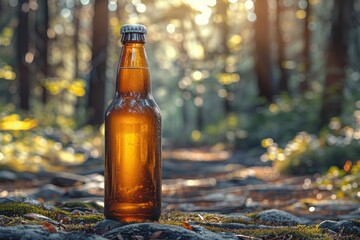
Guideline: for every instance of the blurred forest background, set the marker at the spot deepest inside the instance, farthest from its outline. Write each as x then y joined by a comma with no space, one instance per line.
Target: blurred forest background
277,78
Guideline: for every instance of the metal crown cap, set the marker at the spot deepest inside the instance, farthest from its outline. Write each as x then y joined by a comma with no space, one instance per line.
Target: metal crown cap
133,28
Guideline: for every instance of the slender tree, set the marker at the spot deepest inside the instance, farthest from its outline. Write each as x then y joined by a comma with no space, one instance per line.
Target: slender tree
42,25
96,100
183,63
22,51
222,8
337,60
262,50
76,21
284,76
304,85
5,19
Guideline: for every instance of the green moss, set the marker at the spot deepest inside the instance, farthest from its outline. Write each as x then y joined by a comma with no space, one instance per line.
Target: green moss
89,218
199,217
253,215
19,209
299,232
276,233
13,213
85,205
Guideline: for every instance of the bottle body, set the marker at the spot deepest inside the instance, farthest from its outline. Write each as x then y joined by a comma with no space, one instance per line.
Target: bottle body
133,161
133,143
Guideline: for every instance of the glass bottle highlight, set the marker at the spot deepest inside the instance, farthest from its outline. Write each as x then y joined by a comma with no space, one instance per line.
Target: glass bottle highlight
133,137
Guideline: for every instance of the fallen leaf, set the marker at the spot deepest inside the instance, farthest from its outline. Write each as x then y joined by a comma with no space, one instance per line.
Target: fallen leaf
247,237
137,237
49,227
187,226
155,235
119,237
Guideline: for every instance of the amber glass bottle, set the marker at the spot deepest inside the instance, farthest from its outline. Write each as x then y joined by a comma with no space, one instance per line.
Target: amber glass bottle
133,137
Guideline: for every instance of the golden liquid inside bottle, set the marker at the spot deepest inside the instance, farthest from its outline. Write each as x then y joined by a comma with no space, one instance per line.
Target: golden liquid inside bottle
133,143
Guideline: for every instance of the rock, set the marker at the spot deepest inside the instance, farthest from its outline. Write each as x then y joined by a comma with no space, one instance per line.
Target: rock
26,200
211,235
355,212
30,232
39,217
146,230
238,216
68,179
7,176
106,225
7,200
344,226
232,225
336,205
96,177
281,217
31,201
92,170
75,193
91,161
27,176
48,192
229,205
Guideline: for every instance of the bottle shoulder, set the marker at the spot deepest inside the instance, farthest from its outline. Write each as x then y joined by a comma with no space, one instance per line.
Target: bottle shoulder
134,106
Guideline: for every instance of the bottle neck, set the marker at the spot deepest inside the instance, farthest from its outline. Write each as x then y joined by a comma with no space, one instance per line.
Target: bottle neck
133,72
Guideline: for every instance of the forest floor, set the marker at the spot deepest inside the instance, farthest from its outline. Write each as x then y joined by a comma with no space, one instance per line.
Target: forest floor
206,195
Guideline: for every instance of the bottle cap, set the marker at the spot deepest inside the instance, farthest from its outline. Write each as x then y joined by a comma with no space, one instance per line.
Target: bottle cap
133,28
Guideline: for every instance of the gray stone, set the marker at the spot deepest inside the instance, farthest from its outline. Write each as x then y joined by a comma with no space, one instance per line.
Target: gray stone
7,200
95,177
76,193
344,226
107,225
27,176
26,200
90,161
281,217
68,179
31,201
31,232
211,235
48,192
355,212
232,225
146,230
7,176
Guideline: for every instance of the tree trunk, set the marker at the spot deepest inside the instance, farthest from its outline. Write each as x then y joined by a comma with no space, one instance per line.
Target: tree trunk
183,62
99,54
200,118
22,50
42,25
304,84
76,38
332,96
262,51
223,6
284,76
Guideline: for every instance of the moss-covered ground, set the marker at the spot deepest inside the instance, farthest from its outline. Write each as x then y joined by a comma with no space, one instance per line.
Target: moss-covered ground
12,214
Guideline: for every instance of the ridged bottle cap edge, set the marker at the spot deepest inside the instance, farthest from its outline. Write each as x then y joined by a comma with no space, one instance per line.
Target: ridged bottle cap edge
133,28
